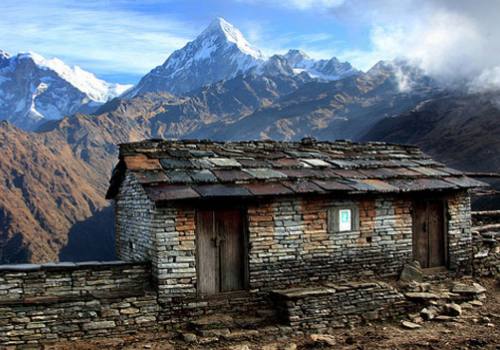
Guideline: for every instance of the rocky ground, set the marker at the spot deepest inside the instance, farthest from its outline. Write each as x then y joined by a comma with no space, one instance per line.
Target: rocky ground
477,327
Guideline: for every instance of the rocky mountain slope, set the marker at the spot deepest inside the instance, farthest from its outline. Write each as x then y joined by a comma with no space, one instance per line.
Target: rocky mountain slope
459,130
345,108
34,89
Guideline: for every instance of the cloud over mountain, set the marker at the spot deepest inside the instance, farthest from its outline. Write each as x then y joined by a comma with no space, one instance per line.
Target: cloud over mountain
456,42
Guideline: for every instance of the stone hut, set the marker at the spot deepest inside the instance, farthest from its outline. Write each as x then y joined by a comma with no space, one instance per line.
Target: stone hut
255,216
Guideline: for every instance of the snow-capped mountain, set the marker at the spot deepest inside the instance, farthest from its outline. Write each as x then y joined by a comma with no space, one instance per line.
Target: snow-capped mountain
33,89
331,69
220,52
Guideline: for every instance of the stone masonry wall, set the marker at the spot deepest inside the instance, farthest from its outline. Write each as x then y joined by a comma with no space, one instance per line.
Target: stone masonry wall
459,233
133,222
290,242
176,266
315,309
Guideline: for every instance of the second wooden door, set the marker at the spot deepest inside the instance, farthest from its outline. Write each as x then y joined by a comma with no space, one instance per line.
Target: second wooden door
429,233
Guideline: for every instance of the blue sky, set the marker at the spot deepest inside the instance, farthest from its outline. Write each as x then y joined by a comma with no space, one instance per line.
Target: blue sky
121,40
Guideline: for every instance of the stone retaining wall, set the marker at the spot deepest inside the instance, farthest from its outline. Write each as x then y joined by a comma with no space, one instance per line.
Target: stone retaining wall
43,303
315,309
30,282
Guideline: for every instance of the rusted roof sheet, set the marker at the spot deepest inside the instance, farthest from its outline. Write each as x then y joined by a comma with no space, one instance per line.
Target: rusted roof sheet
212,169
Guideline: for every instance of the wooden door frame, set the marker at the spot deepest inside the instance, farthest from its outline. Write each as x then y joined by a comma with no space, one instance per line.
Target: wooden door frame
216,205
444,205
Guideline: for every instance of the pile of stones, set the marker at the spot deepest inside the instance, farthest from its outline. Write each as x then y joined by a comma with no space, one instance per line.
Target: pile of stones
441,302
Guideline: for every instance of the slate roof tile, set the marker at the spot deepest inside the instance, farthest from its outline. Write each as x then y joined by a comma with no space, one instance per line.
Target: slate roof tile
192,169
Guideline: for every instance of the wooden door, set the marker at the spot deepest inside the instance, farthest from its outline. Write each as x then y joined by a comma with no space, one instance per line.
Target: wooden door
429,233
207,257
220,251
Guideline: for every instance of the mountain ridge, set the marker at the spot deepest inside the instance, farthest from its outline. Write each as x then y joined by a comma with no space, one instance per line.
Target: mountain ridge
33,89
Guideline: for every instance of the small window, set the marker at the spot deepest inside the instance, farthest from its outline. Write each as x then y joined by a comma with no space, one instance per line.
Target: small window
343,219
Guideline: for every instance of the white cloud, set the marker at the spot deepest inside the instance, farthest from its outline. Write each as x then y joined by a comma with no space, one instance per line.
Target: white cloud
92,34
453,41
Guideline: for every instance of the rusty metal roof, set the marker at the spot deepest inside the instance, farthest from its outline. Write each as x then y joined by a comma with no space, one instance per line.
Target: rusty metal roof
172,170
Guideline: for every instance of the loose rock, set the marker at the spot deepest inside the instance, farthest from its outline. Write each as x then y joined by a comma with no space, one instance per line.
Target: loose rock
410,325
324,339
452,309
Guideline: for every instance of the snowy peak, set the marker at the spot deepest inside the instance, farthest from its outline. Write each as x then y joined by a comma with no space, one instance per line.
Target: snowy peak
220,52
96,89
222,28
33,89
331,69
297,57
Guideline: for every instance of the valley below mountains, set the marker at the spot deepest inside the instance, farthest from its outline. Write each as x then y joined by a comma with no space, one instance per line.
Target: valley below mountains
54,171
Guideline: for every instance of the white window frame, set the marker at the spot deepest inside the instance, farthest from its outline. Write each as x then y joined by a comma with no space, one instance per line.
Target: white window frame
334,225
